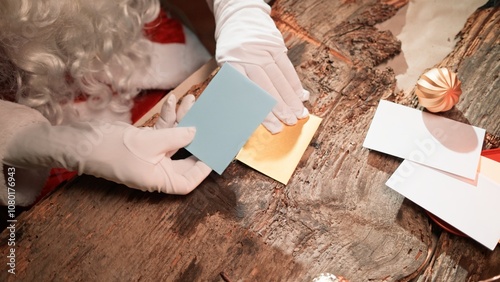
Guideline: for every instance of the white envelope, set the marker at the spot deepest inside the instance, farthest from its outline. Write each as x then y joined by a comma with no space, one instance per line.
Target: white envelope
425,138
471,206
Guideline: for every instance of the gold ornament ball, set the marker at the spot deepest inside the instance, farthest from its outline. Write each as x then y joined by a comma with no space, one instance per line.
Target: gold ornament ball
438,90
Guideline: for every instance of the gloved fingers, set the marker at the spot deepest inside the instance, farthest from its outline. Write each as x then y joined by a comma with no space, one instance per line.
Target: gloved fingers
181,166
282,111
288,70
272,124
285,90
186,104
305,95
187,174
167,115
154,145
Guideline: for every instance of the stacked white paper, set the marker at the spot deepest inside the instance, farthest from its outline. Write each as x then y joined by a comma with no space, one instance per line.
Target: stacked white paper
441,168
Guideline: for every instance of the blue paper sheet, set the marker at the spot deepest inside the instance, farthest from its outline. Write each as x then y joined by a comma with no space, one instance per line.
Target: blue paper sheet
225,115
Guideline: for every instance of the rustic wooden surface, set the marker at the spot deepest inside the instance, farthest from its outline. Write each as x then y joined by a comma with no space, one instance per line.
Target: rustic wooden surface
336,215
476,60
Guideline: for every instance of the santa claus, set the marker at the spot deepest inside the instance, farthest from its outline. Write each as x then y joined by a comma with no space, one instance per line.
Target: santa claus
71,69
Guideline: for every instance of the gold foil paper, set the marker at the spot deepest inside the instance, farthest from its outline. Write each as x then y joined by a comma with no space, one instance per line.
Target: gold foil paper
278,155
438,90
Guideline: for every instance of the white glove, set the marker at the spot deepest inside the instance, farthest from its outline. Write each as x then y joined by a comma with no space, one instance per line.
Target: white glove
136,157
247,37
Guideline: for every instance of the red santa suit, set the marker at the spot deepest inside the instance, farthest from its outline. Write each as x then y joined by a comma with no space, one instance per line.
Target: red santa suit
176,53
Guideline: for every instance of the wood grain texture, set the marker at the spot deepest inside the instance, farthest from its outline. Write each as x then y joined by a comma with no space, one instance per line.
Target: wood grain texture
336,215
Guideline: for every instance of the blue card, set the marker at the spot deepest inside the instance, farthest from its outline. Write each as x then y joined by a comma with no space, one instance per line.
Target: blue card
225,115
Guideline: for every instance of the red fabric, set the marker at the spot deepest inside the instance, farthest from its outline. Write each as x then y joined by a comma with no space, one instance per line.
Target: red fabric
162,30
56,177
165,30
145,101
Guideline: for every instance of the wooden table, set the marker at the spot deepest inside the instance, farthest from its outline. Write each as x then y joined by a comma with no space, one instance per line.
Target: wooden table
336,215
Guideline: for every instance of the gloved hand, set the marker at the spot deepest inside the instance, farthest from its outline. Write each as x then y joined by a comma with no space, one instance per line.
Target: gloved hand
247,37
136,157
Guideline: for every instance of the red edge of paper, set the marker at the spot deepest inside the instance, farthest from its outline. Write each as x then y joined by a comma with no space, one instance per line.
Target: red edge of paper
493,154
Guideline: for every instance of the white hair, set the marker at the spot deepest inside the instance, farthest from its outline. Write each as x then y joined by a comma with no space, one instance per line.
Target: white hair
54,50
